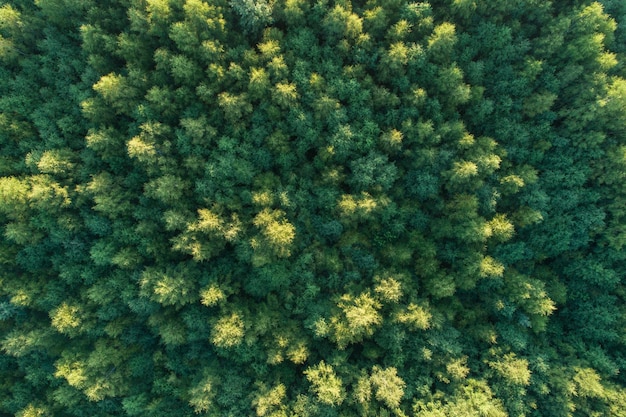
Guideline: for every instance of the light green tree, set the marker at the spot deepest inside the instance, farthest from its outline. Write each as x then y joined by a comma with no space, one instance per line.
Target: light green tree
326,384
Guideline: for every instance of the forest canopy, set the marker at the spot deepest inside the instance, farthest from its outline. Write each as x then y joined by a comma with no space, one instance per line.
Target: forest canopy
296,208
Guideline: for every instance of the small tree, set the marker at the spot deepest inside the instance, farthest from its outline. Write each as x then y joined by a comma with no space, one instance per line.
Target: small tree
254,14
326,384
388,386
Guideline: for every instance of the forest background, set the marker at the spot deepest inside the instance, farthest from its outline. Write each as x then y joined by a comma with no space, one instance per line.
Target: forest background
312,208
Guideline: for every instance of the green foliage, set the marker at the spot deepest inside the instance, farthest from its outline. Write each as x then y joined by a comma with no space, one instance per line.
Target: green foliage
388,386
228,331
330,208
473,399
325,383
254,14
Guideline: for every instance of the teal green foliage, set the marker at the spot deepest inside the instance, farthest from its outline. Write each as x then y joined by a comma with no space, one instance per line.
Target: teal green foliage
292,208
254,14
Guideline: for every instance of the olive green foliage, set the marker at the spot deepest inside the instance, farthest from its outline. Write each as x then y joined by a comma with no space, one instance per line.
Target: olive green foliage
312,208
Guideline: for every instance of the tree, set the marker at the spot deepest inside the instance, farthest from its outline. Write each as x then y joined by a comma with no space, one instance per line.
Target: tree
228,331
117,92
9,32
441,42
254,14
356,320
326,384
276,232
388,386
170,287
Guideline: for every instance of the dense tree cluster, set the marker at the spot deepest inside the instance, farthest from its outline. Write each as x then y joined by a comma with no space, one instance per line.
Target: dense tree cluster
297,208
